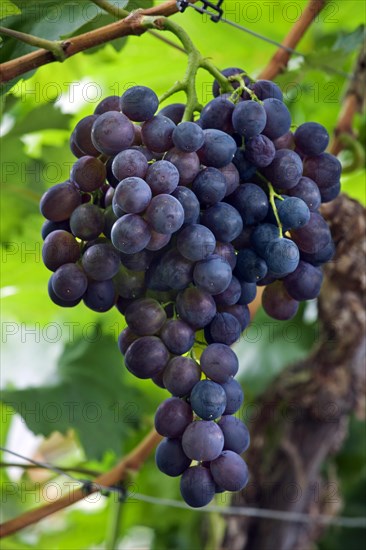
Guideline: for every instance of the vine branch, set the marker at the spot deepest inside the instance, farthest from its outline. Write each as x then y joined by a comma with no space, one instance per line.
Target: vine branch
133,461
280,59
134,24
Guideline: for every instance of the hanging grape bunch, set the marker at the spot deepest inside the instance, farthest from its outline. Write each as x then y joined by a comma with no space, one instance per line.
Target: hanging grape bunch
177,223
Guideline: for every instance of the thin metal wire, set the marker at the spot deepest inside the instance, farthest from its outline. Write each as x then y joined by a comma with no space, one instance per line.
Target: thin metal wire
203,11
347,522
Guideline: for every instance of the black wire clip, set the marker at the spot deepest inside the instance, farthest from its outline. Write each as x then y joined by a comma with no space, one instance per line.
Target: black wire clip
211,7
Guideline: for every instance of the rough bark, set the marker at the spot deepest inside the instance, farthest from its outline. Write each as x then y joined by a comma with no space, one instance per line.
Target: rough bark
304,415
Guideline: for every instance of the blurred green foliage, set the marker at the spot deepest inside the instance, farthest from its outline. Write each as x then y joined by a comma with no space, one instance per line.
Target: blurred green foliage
39,112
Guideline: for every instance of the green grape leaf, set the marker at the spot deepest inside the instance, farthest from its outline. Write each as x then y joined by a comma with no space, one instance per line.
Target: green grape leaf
91,396
348,42
8,8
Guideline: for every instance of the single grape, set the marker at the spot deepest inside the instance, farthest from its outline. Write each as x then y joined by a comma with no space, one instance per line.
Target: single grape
209,186
170,458
248,293
217,114
227,252
285,170
218,149
165,214
278,118
311,138
251,202
58,203
277,303
250,267
325,169
197,486
176,271
48,227
249,118
112,132
236,434
100,262
188,137
293,213
87,222
282,256
308,191
88,173
314,236
287,141
146,357
181,375
234,396
69,282
231,295
125,339
224,221
59,248
172,417
132,195
59,301
245,168
304,283
140,261
130,234
129,163
175,112
145,317
110,103
178,336
139,103
225,329
260,151
187,164
189,202
208,400
203,440
241,313
229,471
100,295
321,256
82,135
162,177
157,133
157,241
213,274
232,177
266,89
219,363
196,307
262,235
196,242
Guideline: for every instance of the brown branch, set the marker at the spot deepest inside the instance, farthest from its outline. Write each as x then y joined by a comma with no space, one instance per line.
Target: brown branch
131,25
133,461
353,103
279,61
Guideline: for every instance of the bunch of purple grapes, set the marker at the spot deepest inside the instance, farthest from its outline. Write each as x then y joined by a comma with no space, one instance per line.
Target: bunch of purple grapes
177,224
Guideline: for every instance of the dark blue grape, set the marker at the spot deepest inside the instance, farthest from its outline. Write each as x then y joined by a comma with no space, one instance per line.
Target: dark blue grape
224,221
311,138
229,471
225,329
175,112
236,434
132,195
129,163
287,141
218,149
100,295
130,234
110,103
231,295
69,282
209,186
176,271
170,458
165,214
324,169
260,151
82,136
232,177
157,133
88,173
125,339
330,193
190,203
240,312
208,400
48,227
212,274
293,213
140,261
145,317
203,440
178,336
219,363
262,235
249,118
285,170
187,164
59,301
196,307
58,203
248,293
197,486
181,375
59,248
218,114
101,262
321,256
157,241
250,267
277,303
245,168
282,256
234,396
251,202
172,417
196,242
162,177
146,357
188,137
139,103
278,118
87,222
314,236
112,132
130,285
308,191
227,252
265,89
304,283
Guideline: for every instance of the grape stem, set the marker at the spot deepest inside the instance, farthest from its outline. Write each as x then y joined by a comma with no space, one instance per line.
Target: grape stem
53,46
272,196
242,88
195,62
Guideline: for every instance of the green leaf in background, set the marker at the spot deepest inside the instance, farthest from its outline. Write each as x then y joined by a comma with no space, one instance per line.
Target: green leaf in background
8,8
351,41
91,396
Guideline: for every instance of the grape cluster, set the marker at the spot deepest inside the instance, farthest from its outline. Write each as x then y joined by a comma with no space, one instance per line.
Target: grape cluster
177,223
